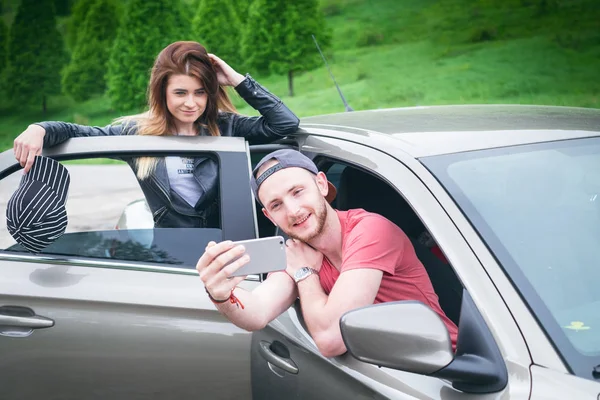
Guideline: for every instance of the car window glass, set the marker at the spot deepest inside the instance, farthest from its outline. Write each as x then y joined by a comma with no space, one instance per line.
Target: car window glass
109,218
538,208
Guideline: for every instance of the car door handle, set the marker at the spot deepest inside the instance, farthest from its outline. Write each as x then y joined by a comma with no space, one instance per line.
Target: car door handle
34,322
22,317
285,364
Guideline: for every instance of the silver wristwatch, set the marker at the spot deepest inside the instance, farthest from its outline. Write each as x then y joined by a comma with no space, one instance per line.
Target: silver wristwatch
304,273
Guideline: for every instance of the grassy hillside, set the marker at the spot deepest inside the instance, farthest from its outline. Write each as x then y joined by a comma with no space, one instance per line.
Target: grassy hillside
393,53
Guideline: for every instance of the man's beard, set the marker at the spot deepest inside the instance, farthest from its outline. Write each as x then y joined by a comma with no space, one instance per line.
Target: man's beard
320,214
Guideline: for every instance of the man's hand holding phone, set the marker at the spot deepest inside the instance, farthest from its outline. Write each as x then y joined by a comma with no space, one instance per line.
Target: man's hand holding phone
224,265
217,264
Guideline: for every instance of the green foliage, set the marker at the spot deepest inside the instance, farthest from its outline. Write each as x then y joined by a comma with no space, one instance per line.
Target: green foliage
62,7
78,14
3,45
217,27
147,26
370,37
84,76
255,36
476,21
278,36
302,20
416,59
35,53
361,23
240,8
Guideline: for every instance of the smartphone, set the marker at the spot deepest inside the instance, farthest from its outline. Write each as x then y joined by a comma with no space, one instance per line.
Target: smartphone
266,255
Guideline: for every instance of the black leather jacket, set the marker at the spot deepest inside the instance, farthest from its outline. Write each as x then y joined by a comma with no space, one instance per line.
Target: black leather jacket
168,208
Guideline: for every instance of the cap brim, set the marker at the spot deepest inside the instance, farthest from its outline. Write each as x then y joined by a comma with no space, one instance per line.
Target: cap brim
331,193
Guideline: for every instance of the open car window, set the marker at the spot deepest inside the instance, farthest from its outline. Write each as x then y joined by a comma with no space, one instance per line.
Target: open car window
358,188
109,219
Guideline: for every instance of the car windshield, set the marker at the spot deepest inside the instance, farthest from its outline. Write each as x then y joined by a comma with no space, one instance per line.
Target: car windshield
537,207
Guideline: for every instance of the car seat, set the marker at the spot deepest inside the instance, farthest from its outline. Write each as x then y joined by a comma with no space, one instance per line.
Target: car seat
358,189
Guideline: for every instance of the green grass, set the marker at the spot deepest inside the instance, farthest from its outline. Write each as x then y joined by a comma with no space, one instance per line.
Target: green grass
396,53
94,161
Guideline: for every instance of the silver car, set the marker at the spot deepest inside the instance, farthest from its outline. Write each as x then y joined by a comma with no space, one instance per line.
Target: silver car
502,204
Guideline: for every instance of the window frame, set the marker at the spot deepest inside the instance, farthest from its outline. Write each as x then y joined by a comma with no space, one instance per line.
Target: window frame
237,210
445,224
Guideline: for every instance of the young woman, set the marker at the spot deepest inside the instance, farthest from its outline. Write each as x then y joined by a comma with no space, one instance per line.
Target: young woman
186,96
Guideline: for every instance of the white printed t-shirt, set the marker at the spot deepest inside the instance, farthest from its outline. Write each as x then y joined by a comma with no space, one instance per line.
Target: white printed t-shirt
181,178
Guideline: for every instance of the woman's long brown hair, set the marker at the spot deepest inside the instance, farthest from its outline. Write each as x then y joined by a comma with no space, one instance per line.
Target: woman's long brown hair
179,58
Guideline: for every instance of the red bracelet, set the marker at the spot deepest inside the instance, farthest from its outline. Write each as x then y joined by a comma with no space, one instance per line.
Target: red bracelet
235,300
232,299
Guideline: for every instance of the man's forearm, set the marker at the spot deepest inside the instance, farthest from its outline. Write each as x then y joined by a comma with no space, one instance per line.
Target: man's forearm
245,312
254,310
322,325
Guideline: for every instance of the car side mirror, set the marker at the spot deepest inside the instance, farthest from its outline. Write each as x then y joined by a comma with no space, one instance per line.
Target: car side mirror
414,340
409,336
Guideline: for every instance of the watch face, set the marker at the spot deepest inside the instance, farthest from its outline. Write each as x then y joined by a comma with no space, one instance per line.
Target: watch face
301,273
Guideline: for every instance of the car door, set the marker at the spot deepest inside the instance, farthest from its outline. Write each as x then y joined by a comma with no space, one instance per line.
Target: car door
286,360
107,313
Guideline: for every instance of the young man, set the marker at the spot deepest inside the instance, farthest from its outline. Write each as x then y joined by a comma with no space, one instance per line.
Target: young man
337,260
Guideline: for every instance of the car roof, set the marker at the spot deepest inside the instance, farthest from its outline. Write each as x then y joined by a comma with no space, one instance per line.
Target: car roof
432,130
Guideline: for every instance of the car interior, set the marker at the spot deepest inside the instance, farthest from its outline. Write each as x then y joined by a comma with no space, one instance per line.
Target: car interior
359,189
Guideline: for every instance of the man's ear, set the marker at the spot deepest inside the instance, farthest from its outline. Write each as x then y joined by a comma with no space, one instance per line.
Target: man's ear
266,213
321,180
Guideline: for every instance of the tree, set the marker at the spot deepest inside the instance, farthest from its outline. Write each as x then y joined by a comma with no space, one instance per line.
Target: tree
277,37
208,23
84,76
147,26
3,45
62,7
78,14
241,8
35,53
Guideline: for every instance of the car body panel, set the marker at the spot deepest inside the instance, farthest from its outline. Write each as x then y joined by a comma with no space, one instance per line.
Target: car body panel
455,118
326,378
550,384
435,130
126,329
137,334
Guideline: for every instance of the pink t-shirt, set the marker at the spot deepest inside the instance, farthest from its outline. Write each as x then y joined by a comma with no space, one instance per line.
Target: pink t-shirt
372,241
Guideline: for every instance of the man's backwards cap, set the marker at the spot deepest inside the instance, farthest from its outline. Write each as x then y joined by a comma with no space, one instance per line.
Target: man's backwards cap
286,158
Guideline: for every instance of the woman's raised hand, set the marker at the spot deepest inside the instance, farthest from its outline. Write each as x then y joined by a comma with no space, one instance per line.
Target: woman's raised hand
28,145
227,76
